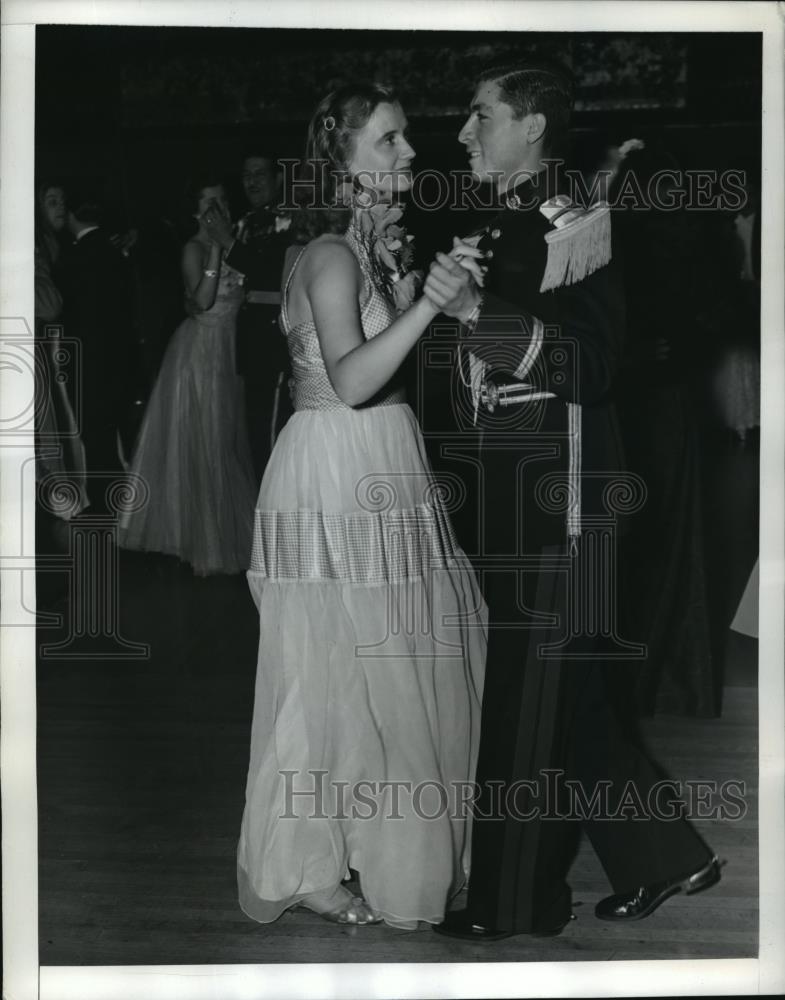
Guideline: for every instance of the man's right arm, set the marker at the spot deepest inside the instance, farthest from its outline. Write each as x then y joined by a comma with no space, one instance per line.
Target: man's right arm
589,318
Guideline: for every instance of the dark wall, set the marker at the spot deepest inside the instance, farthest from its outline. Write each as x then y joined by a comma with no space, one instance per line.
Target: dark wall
139,108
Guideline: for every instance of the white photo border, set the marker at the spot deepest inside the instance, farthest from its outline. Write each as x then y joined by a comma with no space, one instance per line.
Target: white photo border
23,978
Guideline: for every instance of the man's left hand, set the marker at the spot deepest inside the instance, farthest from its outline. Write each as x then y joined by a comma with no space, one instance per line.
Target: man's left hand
451,288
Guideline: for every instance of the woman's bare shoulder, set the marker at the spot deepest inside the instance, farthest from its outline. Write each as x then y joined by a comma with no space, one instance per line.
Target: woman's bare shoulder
193,248
327,247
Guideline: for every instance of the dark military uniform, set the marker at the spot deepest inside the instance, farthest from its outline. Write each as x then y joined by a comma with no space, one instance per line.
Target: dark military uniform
262,356
553,494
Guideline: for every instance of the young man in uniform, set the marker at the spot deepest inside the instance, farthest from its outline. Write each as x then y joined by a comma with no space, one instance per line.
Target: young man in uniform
548,320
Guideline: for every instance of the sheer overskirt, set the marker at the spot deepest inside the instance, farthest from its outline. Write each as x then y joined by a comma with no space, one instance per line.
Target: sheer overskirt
370,670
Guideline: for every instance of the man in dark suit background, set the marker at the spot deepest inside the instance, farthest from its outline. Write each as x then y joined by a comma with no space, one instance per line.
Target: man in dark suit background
97,311
548,323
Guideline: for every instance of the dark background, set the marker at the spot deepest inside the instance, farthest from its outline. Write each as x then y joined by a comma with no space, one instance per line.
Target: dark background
133,112
140,107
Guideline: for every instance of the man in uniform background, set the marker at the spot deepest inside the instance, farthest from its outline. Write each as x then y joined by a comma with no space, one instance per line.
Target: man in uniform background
257,248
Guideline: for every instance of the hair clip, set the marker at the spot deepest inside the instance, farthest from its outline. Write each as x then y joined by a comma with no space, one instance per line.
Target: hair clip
329,123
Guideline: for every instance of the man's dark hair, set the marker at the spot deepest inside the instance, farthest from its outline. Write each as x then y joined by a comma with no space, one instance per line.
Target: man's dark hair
258,151
544,88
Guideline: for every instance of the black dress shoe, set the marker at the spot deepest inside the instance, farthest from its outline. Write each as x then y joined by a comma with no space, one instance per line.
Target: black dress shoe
458,924
639,903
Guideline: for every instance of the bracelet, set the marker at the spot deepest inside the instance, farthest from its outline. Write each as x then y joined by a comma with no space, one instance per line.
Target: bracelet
210,274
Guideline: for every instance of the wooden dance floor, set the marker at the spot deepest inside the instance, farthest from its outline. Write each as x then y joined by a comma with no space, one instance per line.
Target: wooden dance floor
141,780
142,766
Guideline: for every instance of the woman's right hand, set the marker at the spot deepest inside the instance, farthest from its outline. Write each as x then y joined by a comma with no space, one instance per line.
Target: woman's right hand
217,225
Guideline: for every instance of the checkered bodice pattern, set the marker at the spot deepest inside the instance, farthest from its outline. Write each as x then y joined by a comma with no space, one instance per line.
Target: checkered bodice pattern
313,389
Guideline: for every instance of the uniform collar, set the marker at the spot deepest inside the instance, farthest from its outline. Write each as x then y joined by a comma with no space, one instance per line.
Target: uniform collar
532,190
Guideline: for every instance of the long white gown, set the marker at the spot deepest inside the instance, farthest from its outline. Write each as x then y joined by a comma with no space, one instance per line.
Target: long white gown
192,450
371,656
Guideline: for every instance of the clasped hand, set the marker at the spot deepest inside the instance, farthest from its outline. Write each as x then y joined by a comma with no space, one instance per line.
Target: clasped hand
217,225
454,280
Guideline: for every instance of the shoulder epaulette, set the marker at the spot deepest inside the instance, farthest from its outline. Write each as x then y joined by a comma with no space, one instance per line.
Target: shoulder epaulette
578,245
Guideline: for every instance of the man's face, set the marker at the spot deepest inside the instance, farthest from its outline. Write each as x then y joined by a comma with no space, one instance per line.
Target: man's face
495,141
260,181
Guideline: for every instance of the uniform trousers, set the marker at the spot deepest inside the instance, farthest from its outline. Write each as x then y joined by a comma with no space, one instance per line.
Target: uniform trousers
550,725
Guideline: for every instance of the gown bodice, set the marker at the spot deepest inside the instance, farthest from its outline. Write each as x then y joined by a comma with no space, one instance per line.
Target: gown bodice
229,297
313,389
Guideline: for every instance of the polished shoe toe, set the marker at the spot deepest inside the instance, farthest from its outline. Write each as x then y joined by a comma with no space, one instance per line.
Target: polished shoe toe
644,900
459,924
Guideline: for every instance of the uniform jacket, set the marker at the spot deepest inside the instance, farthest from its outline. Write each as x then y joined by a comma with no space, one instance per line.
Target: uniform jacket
258,253
568,342
259,250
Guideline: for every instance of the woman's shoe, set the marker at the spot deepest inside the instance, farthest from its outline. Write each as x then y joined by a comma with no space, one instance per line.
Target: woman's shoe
340,907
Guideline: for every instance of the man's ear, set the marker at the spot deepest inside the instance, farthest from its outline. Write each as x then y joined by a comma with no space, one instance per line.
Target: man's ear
535,127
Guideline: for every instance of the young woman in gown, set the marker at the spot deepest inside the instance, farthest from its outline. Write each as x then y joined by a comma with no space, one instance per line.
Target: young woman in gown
192,450
372,628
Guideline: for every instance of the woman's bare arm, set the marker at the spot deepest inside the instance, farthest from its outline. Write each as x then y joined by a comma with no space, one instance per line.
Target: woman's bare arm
200,286
357,368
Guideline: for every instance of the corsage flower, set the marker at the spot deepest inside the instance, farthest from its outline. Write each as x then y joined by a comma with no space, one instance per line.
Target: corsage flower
392,254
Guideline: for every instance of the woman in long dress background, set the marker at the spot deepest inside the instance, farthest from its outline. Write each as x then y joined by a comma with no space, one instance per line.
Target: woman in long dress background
192,450
372,628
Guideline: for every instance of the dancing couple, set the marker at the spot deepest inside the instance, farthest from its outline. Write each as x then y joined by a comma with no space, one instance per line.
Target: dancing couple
373,629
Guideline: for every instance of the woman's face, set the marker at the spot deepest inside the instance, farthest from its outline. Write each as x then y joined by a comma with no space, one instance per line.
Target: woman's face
53,205
382,155
216,194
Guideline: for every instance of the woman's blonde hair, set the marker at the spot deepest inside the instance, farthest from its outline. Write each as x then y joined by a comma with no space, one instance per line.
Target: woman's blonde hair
325,170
